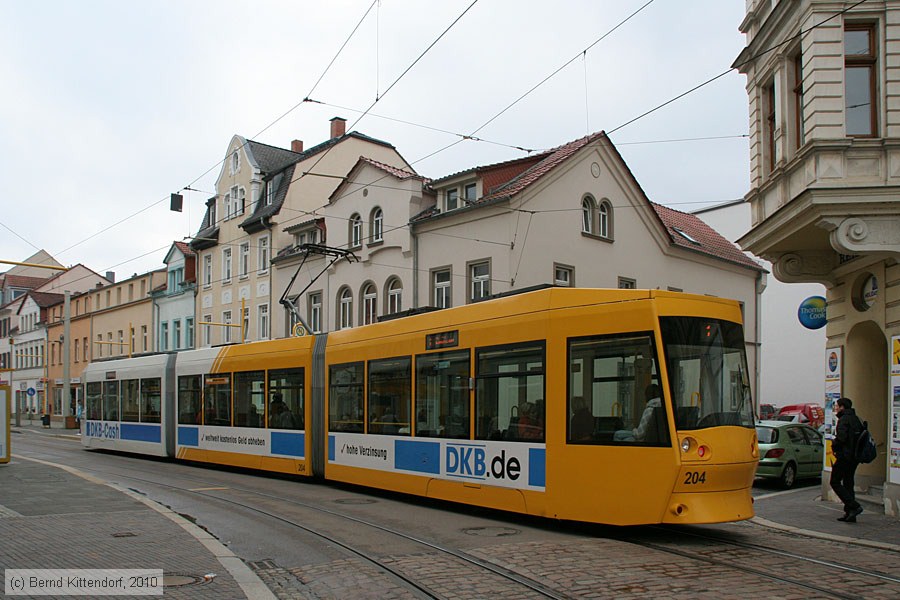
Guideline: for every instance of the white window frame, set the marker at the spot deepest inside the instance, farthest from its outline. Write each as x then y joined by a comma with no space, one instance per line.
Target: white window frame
369,304
207,269
356,231
263,258
479,284
235,162
176,334
207,331
454,194
163,336
314,300
443,290
226,319
394,296
588,212
226,265
563,275
345,308
246,324
377,226
262,321
189,332
244,260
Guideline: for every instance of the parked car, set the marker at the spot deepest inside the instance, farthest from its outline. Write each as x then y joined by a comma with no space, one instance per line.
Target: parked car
789,452
767,411
810,413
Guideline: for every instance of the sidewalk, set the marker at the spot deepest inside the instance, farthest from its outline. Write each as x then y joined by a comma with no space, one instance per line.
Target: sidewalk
803,511
54,517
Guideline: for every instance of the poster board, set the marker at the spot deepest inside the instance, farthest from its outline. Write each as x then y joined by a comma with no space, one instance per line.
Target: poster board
834,363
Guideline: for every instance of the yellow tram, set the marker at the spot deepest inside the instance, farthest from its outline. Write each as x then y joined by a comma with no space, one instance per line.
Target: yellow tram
608,406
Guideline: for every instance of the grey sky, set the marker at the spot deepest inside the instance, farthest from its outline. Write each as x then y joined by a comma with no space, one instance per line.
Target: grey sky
112,105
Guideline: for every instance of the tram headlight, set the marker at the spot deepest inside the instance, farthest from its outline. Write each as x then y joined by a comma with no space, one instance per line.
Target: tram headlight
686,444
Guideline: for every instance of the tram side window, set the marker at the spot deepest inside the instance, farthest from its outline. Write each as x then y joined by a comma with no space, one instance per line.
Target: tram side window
509,393
286,409
111,400
614,392
442,394
151,399
390,391
249,398
130,400
189,411
346,402
217,400
94,397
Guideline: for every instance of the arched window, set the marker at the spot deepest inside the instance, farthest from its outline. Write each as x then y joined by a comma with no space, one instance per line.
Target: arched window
345,308
394,296
588,214
376,226
370,304
355,231
605,213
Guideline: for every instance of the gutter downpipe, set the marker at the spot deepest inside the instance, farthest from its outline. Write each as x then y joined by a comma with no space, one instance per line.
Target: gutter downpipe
761,285
415,273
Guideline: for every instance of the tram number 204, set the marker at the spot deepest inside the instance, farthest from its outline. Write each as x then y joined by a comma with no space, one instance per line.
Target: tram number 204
694,477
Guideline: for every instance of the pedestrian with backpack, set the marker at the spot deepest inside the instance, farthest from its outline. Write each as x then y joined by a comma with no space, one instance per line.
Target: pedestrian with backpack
843,446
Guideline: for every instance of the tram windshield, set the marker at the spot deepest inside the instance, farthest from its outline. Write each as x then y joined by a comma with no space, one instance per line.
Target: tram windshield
708,378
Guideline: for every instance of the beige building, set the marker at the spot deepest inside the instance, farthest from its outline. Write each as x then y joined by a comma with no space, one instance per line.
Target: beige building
570,216
122,316
825,177
263,193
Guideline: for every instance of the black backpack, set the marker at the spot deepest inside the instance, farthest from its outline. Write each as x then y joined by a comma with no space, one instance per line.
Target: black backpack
865,451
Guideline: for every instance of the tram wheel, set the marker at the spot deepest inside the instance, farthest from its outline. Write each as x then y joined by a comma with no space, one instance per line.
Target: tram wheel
789,476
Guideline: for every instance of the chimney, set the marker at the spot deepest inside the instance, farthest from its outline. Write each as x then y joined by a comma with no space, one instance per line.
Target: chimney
338,127
297,145
111,276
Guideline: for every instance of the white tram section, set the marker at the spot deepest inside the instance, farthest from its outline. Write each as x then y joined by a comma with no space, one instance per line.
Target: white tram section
232,440
104,427
514,465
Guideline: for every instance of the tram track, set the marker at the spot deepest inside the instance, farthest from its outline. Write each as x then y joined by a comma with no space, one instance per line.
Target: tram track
742,563
395,573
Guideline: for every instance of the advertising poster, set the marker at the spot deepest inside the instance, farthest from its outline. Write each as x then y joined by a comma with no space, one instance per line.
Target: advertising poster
833,369
894,458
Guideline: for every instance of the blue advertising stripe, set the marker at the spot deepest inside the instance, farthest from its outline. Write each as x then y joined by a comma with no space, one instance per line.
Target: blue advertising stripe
537,467
289,444
331,447
141,433
423,457
189,436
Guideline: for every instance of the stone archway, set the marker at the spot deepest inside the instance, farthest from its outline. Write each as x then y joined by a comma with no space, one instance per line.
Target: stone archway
866,383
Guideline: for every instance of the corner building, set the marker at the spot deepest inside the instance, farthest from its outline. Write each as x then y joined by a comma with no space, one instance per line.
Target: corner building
822,79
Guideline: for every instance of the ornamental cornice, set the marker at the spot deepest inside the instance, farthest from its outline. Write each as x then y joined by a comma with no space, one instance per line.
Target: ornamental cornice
806,266
864,235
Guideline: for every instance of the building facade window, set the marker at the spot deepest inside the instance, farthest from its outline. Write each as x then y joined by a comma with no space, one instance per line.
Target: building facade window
799,133
244,261
356,227
245,324
588,210
226,319
189,332
207,269
469,192
207,330
626,283
479,281
262,321
145,339
394,296
263,261
345,309
377,226
452,199
604,219
235,162
176,334
226,265
441,284
369,304
563,276
314,307
164,336
859,79
770,108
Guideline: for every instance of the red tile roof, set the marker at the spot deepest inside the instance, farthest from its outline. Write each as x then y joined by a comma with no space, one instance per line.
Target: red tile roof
706,239
398,173
185,249
45,299
21,281
554,158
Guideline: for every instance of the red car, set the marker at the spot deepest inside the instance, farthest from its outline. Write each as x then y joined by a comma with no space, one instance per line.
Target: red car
811,414
767,412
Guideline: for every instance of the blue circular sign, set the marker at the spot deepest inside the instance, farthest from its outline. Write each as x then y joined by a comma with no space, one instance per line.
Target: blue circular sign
30,391
812,312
